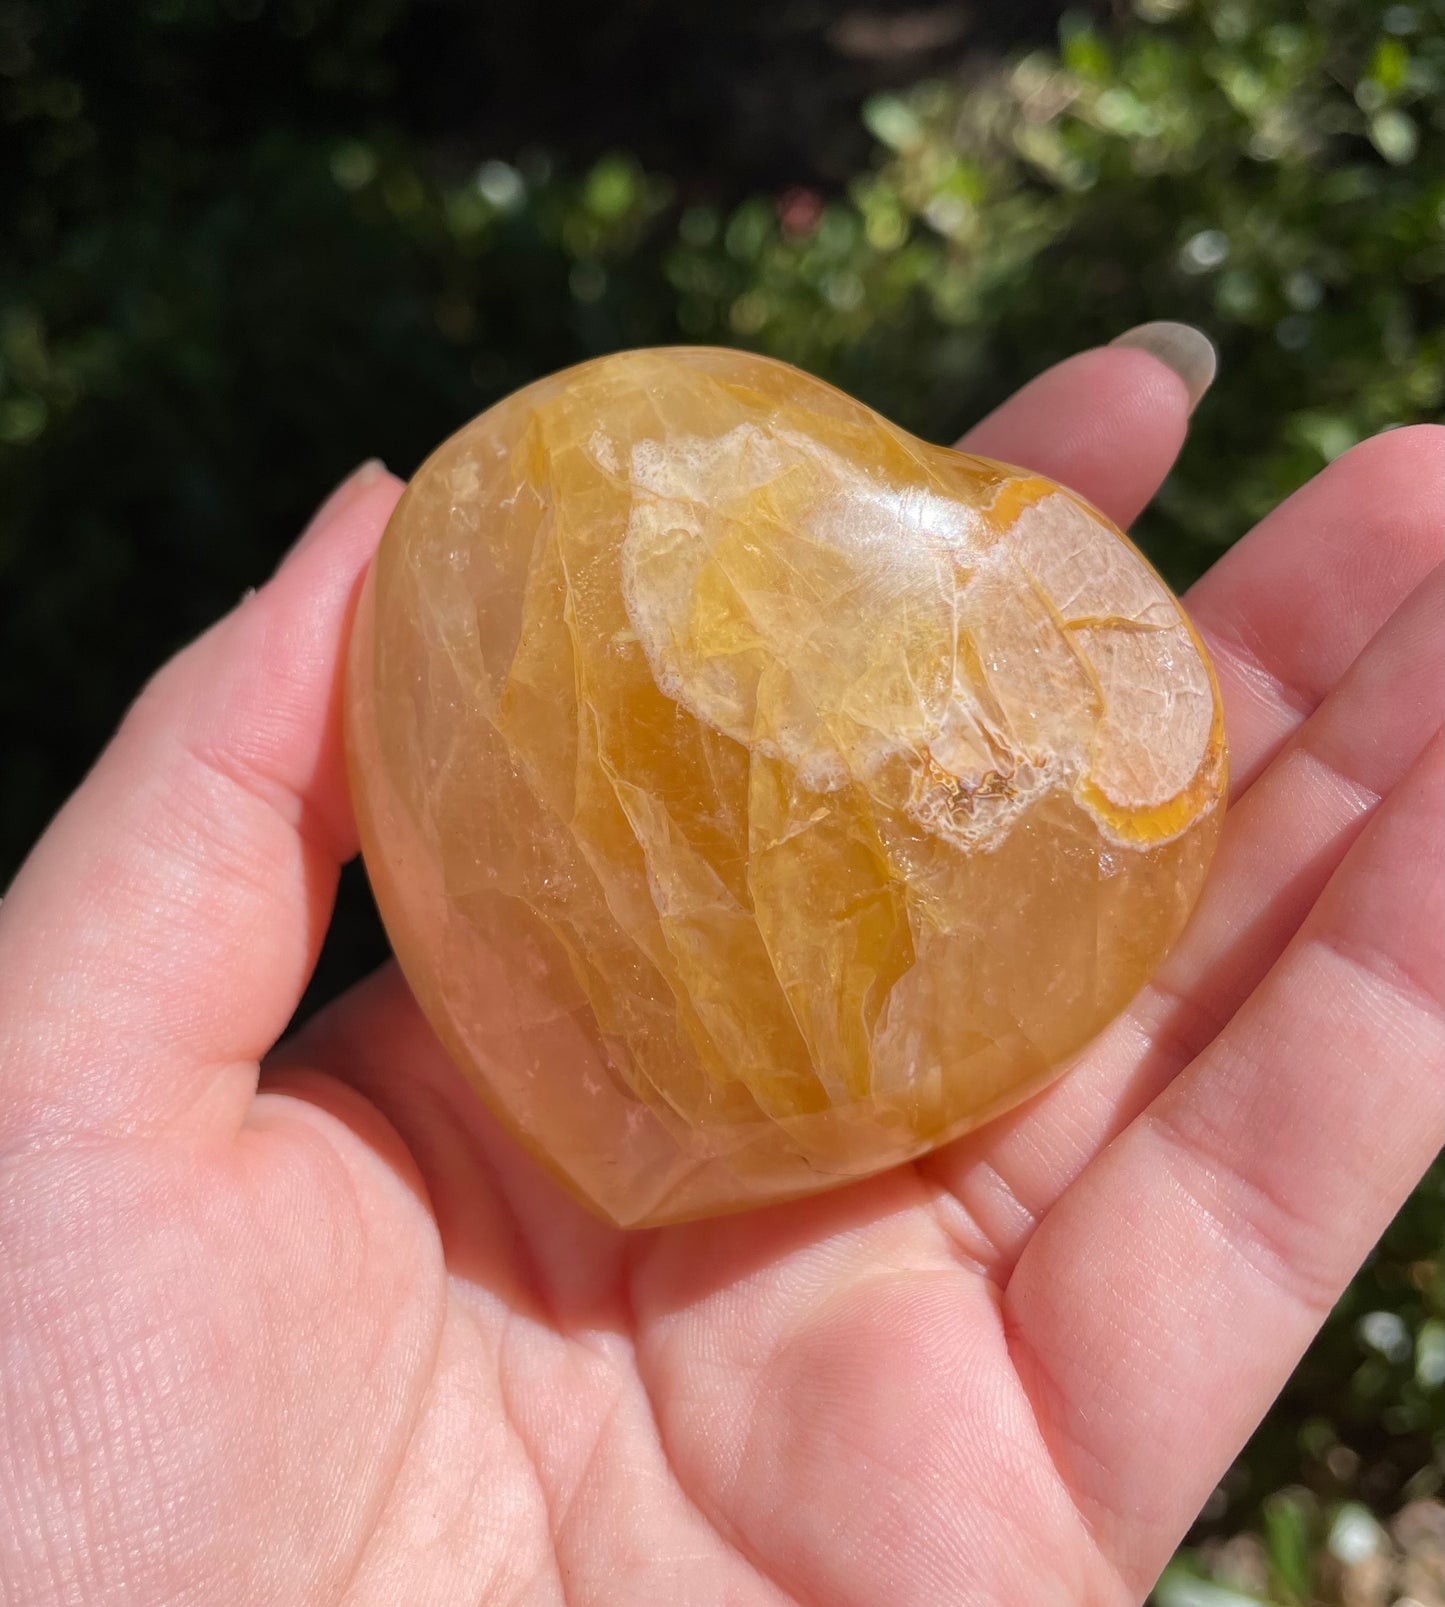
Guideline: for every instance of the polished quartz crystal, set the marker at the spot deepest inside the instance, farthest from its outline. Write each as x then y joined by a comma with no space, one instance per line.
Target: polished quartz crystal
756,796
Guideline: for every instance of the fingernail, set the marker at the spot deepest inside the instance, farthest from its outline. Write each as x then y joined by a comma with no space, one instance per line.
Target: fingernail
1182,347
364,475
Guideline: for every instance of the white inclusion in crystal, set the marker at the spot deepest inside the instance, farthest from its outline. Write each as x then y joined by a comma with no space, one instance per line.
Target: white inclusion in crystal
699,468
463,482
924,567
898,551
603,452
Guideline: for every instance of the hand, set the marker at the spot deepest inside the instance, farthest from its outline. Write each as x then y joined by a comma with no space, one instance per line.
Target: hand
330,1338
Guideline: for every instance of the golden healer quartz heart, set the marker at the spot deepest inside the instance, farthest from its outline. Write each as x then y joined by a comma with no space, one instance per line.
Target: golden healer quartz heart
757,796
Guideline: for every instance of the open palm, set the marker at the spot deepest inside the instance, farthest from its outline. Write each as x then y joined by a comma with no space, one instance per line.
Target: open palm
335,1341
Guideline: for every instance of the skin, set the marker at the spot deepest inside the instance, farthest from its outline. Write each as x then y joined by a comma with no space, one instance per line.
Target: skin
296,1324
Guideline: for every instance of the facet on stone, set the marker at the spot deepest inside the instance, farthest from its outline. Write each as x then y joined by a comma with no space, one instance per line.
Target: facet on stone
756,796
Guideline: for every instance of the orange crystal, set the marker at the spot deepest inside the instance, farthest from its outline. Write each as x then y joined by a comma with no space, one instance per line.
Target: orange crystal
756,796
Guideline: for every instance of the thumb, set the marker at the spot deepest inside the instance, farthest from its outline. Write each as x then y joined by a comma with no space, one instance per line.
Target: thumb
160,934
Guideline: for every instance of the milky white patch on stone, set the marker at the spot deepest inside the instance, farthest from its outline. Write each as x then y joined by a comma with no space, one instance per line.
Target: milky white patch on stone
603,452
1158,714
1086,571
463,481
1059,635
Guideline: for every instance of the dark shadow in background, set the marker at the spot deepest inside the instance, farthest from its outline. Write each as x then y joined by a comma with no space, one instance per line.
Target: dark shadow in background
223,331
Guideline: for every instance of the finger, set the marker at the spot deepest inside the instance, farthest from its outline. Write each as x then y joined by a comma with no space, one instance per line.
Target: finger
1281,844
1163,1302
1291,830
159,935
1352,543
1286,611
1107,423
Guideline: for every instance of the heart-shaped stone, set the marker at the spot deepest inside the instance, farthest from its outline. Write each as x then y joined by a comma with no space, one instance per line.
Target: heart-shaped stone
756,796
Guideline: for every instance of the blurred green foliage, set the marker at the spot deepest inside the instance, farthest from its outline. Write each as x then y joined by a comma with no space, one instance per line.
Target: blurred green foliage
243,248
1252,167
